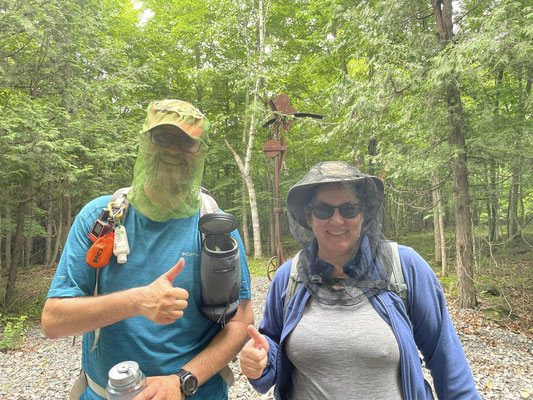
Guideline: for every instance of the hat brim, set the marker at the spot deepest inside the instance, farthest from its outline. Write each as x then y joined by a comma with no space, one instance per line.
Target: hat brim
192,131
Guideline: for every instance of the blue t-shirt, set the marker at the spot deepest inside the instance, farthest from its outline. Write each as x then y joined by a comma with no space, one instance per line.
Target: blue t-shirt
154,248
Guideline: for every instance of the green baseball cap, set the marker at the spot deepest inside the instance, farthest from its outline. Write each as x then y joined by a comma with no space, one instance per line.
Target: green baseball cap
179,113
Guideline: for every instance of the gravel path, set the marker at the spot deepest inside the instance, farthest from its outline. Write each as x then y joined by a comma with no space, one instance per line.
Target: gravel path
501,361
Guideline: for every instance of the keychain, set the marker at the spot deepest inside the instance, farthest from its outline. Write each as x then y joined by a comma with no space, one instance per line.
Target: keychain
121,247
109,238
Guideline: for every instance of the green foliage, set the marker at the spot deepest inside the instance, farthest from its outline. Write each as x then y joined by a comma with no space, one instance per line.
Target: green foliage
258,266
75,78
13,333
449,284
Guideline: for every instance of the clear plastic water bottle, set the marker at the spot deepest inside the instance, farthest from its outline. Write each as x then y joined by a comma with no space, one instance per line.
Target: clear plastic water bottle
126,381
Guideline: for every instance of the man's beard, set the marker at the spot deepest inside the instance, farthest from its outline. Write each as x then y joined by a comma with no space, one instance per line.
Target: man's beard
168,181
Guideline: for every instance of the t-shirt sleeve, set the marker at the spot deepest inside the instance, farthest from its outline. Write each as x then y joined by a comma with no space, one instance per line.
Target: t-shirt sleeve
74,277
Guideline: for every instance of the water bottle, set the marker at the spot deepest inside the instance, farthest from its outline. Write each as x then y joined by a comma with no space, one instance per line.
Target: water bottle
126,381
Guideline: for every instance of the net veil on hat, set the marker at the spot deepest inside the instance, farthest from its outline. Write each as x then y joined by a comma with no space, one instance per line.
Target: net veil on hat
166,184
364,273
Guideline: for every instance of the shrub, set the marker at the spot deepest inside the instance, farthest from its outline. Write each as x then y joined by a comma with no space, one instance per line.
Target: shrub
14,331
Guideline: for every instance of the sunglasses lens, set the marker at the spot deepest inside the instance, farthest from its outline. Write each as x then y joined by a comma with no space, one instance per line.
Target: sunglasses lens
349,210
346,210
189,145
323,211
162,138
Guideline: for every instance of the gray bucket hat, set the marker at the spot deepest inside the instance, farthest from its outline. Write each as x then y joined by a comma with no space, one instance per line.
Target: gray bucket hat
370,189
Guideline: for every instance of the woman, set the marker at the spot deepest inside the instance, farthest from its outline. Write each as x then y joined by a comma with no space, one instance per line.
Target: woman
343,335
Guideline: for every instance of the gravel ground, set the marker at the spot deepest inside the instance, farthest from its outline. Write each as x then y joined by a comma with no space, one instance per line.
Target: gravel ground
501,361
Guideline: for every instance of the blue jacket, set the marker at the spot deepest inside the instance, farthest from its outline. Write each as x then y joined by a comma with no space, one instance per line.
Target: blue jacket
430,329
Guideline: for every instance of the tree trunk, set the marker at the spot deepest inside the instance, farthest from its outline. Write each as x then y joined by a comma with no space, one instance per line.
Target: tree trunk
440,233
244,208
57,242
253,201
513,201
49,227
398,216
494,203
442,12
28,237
436,222
17,254
65,215
463,231
244,167
1,234
272,205
244,203
8,240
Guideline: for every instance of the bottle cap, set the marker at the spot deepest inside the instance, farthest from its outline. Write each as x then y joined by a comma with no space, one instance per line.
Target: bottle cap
124,374
217,223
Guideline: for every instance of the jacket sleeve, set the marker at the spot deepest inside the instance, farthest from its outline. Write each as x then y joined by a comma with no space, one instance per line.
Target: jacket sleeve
271,326
434,332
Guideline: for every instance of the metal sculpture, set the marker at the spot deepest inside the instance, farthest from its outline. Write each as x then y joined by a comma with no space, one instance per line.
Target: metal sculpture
284,116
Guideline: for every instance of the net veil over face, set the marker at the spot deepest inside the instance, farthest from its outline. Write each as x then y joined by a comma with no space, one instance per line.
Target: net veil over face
168,174
364,275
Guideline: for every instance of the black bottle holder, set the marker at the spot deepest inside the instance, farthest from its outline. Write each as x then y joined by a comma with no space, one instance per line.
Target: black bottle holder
220,268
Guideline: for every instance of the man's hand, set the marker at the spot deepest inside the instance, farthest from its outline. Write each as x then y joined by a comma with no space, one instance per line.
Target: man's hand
161,388
160,301
254,355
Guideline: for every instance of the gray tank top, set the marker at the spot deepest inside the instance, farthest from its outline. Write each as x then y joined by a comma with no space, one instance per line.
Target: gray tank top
344,352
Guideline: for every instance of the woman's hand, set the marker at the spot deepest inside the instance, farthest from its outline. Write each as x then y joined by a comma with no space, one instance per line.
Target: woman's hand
254,355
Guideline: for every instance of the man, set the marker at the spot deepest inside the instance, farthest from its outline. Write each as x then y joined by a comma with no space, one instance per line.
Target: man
149,308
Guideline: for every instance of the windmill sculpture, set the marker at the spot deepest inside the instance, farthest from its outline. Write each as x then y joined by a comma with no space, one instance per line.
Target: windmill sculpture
284,116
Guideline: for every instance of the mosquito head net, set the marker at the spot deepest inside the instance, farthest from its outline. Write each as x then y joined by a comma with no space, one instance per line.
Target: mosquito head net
169,167
362,277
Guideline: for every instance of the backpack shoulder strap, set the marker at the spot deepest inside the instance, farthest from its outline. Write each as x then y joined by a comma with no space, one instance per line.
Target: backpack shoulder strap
294,282
118,198
393,269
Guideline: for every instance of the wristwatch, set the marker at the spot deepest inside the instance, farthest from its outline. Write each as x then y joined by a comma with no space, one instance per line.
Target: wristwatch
189,382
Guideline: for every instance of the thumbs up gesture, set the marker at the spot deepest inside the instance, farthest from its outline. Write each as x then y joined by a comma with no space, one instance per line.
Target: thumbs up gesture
254,355
160,301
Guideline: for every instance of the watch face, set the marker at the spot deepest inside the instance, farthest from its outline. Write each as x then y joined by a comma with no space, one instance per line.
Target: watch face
189,384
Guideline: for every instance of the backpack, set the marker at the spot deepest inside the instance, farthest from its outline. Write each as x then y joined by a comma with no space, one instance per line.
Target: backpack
392,269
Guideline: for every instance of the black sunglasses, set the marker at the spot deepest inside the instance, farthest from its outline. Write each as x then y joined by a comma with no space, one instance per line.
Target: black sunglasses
346,210
164,138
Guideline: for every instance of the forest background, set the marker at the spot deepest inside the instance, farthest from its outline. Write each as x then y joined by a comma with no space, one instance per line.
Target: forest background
433,96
